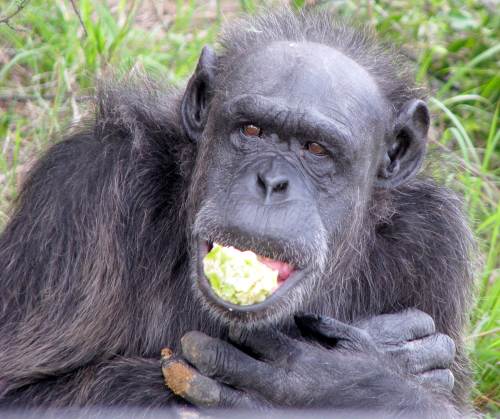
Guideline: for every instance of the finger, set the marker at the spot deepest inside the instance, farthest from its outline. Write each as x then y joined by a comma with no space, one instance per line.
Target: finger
398,327
267,344
229,397
340,333
439,379
432,352
222,361
201,391
186,382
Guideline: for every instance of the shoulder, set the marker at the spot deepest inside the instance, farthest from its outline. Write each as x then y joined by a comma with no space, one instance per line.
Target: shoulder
424,240
138,109
425,213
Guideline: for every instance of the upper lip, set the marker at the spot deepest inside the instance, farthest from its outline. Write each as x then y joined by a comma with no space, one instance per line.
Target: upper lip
203,248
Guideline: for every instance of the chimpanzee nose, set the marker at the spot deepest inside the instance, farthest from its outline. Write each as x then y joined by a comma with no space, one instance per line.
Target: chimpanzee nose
272,181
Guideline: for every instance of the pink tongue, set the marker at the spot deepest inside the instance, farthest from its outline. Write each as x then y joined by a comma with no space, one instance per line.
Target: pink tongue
284,269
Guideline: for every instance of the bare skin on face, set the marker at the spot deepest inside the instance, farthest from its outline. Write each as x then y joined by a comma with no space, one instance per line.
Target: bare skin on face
291,150
309,75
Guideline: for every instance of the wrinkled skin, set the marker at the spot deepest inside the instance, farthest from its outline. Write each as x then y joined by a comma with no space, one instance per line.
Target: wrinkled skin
410,340
300,93
305,152
254,192
351,368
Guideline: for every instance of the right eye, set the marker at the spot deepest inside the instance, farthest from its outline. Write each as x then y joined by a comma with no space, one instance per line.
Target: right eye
316,149
250,130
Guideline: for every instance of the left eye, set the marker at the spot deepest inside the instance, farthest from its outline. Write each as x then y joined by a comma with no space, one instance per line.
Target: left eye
251,130
316,149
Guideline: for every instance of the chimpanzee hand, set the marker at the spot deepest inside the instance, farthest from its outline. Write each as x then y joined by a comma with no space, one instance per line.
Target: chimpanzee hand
410,339
276,370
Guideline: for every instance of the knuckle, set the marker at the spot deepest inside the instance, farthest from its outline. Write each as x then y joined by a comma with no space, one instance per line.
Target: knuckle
443,378
449,348
425,323
229,398
449,379
214,359
445,343
326,323
189,341
411,363
400,353
438,378
194,347
222,361
440,350
452,349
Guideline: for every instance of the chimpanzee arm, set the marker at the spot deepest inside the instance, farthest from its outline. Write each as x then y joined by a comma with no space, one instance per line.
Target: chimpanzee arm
73,289
117,382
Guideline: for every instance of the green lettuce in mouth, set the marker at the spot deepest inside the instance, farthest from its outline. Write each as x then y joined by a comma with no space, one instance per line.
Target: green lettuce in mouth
239,277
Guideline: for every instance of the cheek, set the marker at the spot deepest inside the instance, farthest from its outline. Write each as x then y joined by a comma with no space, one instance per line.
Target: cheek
340,211
324,175
204,171
214,172
335,210
359,176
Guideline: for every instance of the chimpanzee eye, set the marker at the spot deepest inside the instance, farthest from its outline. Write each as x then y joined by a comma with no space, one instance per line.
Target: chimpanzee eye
316,149
251,130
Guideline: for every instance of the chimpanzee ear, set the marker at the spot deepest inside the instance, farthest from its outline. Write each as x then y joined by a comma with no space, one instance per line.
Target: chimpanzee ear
194,106
406,151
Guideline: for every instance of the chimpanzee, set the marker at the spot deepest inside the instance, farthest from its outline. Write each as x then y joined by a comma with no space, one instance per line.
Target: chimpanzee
300,138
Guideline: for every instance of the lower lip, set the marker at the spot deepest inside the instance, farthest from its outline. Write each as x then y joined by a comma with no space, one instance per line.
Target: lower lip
283,286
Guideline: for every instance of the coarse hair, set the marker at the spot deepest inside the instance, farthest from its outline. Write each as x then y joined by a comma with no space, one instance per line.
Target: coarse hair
390,69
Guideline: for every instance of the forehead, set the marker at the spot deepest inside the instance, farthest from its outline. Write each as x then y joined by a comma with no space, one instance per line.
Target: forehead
309,75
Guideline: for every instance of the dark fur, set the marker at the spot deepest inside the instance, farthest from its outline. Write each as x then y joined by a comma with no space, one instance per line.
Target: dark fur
93,263
389,68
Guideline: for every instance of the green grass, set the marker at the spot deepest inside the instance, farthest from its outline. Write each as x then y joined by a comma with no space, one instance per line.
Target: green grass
48,64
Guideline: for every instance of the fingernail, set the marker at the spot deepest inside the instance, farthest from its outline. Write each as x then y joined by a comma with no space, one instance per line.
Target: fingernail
166,357
166,353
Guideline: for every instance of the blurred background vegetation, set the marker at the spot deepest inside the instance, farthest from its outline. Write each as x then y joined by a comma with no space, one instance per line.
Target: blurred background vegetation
51,53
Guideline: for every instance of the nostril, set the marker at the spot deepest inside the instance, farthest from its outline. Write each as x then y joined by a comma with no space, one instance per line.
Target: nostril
271,184
281,186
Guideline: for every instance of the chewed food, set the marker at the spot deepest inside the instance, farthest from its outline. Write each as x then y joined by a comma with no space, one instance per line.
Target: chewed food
238,276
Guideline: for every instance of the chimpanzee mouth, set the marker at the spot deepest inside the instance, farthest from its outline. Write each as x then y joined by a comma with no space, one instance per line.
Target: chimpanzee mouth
288,277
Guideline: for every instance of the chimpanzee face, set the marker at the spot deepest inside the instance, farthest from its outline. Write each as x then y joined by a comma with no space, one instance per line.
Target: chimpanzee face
291,149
